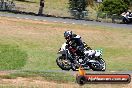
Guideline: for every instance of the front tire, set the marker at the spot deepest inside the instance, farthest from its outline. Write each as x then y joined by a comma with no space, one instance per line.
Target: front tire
63,63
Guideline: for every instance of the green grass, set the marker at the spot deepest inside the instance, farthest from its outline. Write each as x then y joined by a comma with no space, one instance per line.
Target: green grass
40,41
58,8
31,48
8,86
11,57
118,59
49,76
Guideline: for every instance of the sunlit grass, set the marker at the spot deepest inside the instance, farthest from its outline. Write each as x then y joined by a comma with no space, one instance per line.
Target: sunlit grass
41,41
11,57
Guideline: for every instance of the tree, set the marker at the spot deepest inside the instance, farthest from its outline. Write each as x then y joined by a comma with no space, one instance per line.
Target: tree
41,7
113,6
78,8
90,2
79,5
127,1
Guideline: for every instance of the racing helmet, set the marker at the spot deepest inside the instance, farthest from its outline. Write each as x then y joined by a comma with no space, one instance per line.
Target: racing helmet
67,34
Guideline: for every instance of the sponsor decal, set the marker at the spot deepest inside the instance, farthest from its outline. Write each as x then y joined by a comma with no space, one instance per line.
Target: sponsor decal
83,78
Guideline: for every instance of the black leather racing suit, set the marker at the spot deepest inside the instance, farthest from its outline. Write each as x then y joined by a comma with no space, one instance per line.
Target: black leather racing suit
75,45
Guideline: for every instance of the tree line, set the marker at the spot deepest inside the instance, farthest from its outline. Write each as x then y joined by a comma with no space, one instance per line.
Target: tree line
107,6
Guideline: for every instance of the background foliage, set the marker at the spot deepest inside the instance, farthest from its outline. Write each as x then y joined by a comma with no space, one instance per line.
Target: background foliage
114,6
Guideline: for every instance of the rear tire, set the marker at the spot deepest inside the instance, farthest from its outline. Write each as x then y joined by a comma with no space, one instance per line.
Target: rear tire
62,65
104,65
99,69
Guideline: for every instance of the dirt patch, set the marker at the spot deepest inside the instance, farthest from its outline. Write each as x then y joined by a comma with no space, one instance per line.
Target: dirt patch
39,83
4,73
30,82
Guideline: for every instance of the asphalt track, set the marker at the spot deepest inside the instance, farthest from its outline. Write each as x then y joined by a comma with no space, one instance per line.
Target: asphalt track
69,21
66,20
70,72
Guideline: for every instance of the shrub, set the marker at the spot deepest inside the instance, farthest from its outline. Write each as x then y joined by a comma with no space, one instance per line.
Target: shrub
78,8
79,5
113,6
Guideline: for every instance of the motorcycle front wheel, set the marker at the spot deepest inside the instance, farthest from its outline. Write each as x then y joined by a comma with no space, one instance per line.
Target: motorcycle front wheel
63,63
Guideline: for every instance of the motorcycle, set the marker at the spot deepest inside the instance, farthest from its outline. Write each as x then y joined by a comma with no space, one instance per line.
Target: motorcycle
126,19
91,59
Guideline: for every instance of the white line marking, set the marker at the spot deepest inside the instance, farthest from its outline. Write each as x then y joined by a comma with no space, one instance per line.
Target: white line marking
73,23
17,17
84,24
112,71
55,21
26,18
35,19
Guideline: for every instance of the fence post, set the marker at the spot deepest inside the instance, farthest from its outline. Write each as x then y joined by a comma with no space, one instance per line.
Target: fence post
84,13
113,18
97,16
106,17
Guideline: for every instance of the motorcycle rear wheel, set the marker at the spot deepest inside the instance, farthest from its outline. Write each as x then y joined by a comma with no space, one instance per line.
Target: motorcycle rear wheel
94,68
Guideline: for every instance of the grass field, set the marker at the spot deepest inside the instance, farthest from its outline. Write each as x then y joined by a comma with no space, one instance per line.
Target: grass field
32,46
59,8
11,57
41,40
56,7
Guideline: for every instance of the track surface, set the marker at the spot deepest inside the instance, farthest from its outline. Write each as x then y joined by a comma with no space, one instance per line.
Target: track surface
69,21
71,72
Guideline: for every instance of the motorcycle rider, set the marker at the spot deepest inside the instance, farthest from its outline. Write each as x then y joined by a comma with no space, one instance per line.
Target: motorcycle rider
74,43
126,16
